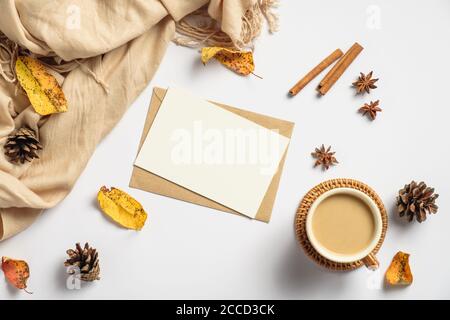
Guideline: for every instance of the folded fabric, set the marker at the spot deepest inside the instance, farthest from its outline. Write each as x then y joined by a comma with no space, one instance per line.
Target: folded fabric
109,51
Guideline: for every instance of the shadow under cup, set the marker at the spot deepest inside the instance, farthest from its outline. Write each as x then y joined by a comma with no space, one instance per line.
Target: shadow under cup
345,217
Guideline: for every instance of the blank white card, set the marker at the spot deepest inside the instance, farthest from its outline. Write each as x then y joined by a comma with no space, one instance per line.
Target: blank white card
212,151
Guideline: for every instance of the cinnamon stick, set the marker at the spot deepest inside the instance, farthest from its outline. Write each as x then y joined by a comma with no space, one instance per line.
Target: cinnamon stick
338,69
336,54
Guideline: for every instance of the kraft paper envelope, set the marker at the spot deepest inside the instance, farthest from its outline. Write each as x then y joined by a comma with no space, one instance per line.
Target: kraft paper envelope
147,181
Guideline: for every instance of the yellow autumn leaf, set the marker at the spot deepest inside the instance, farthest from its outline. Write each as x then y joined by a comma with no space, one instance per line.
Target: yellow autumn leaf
44,92
122,208
16,272
399,272
239,61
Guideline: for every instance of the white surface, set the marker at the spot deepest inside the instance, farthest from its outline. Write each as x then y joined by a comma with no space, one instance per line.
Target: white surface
187,251
209,150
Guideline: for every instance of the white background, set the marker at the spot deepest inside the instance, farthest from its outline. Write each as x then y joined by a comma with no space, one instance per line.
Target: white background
186,251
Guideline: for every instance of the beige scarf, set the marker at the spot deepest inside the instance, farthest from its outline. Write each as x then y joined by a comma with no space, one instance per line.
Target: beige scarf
104,52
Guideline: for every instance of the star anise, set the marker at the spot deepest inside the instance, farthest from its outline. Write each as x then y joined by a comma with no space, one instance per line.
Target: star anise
371,109
365,83
324,157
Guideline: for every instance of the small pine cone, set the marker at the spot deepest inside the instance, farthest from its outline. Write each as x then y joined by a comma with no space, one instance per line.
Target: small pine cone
22,145
416,200
85,262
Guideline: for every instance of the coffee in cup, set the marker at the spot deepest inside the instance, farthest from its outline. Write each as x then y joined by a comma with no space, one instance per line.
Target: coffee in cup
344,225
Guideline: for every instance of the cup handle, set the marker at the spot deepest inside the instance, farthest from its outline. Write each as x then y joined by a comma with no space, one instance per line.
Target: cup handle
371,262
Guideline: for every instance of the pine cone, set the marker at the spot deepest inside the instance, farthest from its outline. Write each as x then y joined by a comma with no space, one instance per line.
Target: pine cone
22,145
86,259
416,200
